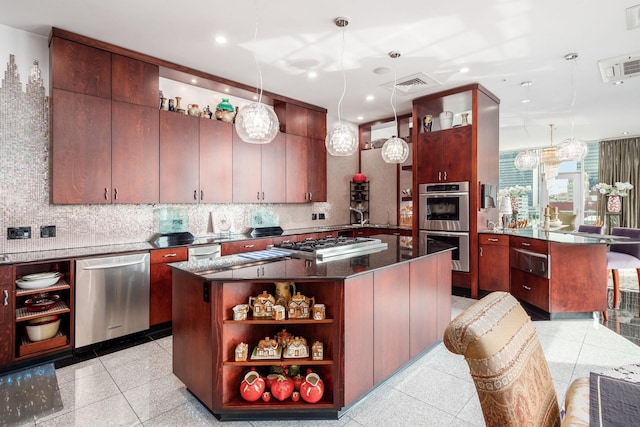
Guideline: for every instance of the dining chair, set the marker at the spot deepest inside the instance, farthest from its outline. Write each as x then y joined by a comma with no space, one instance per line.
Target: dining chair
501,347
593,229
623,256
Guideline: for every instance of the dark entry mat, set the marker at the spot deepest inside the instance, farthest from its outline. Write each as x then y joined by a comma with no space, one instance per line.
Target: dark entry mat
613,401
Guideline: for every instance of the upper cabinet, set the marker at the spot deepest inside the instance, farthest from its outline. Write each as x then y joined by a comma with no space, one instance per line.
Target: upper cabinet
80,68
216,156
447,155
135,82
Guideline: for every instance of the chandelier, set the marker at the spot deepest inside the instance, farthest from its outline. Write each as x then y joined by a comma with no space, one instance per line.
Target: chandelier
395,150
342,140
526,160
572,149
257,123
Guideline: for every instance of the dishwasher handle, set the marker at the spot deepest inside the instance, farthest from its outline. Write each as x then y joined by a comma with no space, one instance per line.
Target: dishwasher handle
105,266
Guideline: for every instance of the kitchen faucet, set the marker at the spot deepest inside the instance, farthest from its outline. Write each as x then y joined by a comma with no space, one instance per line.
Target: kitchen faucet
362,220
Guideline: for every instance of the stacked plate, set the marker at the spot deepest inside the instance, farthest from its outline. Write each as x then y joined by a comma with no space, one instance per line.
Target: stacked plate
39,280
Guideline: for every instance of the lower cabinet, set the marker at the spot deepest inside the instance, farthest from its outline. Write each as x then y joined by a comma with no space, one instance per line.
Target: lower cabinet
493,265
6,315
160,283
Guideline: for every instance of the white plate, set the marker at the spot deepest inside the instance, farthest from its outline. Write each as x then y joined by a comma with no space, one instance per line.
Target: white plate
37,284
41,276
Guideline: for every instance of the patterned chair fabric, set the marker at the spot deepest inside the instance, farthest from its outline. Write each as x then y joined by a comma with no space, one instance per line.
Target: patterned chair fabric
506,361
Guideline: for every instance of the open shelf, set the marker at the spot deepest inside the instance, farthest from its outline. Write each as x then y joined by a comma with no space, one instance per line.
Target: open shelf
278,322
23,313
28,347
60,285
306,361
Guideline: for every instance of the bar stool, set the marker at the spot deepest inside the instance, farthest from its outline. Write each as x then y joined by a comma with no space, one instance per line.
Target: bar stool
623,256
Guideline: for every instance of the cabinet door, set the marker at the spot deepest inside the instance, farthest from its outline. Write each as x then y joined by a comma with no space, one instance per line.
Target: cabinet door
429,169
216,161
316,125
6,315
80,68
530,288
423,304
81,148
246,181
134,81
179,158
317,173
493,268
296,120
160,283
297,168
456,154
273,169
135,142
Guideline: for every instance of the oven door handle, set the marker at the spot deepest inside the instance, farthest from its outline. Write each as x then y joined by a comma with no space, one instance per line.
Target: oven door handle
445,194
446,233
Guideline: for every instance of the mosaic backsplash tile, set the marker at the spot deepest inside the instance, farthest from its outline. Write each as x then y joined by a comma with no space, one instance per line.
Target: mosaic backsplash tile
24,186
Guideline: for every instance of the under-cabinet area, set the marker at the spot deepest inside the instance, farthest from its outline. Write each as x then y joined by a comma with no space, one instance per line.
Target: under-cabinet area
348,325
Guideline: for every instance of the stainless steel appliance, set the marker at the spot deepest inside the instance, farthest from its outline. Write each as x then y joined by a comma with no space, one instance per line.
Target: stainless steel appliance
112,297
444,206
204,252
459,256
332,248
444,217
530,262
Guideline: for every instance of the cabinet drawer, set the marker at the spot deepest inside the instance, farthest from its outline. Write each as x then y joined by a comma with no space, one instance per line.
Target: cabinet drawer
163,256
534,245
244,246
493,239
530,288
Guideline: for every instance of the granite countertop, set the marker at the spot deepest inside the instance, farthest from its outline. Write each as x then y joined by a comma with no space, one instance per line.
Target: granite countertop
234,267
560,236
89,251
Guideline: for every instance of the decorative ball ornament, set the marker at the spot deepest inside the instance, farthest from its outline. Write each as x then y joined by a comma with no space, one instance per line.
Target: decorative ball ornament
395,150
257,123
572,149
526,160
341,141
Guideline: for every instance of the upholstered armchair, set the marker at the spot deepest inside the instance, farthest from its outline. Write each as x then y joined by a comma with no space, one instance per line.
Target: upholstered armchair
623,256
508,367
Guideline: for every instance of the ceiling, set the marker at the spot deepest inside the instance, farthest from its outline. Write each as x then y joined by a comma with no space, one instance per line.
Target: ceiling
502,42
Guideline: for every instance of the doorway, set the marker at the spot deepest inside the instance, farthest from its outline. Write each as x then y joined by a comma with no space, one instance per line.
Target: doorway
567,194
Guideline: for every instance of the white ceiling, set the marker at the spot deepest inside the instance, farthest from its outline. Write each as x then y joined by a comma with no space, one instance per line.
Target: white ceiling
502,42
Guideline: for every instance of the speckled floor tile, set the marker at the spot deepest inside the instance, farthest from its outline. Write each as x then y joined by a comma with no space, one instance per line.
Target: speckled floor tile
79,370
157,397
141,371
113,411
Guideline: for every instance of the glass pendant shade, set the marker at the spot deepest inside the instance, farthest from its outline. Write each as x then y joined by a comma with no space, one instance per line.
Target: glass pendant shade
572,149
395,150
526,160
341,141
257,123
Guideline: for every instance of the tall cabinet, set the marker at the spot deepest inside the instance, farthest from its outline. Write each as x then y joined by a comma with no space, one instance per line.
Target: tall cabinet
460,153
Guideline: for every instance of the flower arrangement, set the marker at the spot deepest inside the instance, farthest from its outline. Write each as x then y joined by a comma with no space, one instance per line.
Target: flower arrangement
515,191
618,189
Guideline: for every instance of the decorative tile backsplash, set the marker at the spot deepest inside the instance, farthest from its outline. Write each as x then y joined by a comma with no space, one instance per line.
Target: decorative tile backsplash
24,186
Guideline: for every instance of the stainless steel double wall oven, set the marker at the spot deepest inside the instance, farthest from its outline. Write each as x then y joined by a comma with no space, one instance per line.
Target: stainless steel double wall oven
444,217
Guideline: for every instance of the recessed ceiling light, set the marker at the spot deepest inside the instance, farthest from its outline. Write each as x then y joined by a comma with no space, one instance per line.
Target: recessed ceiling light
226,89
312,74
194,81
382,70
625,133
525,101
221,39
370,98
255,97
360,118
464,69
618,83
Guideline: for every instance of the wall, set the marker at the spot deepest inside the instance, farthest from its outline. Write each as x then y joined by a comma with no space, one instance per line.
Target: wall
24,172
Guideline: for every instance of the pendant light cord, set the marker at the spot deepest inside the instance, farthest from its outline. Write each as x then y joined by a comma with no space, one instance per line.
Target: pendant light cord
574,90
255,56
393,91
344,78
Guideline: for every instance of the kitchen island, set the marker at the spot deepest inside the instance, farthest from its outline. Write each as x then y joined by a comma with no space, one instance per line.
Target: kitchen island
382,310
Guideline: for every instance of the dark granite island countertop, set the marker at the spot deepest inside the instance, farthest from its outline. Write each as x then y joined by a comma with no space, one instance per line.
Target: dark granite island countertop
382,310
560,236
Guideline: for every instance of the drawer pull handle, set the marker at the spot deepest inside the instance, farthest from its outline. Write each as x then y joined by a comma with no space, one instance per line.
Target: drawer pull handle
492,240
527,288
526,244
248,246
6,297
169,255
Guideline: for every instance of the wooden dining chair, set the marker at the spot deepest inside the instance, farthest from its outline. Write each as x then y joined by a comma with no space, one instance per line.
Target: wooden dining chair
623,256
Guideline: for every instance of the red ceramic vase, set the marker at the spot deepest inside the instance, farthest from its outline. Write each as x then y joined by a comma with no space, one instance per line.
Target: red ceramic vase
312,389
252,386
282,388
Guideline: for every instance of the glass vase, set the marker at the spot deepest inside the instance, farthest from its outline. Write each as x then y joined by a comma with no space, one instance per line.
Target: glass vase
614,204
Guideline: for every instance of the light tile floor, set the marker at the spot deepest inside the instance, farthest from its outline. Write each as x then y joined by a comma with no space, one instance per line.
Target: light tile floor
135,386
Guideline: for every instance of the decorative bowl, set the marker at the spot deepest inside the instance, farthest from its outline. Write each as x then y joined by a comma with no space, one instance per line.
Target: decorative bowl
41,302
42,328
38,282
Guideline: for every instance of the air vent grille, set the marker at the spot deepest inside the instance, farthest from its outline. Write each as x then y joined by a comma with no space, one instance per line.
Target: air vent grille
619,68
412,84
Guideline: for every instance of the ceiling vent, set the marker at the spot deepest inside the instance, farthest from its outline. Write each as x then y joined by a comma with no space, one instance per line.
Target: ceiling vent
619,68
412,84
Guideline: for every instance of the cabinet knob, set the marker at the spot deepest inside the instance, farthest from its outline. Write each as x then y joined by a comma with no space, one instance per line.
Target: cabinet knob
258,196
526,288
310,196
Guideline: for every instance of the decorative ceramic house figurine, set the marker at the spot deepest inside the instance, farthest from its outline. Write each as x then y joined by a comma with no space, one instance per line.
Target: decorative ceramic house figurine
279,312
297,347
300,306
284,337
318,312
267,348
262,305
317,351
242,351
240,312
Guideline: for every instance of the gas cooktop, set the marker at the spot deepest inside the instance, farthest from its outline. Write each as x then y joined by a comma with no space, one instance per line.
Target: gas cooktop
332,247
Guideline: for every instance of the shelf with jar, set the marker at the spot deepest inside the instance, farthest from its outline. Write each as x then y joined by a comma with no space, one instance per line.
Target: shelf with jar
43,307
285,327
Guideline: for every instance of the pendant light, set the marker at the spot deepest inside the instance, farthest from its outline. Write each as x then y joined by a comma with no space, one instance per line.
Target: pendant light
526,160
342,140
257,123
395,150
572,149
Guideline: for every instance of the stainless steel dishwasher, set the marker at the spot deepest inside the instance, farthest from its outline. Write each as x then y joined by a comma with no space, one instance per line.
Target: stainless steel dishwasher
112,297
